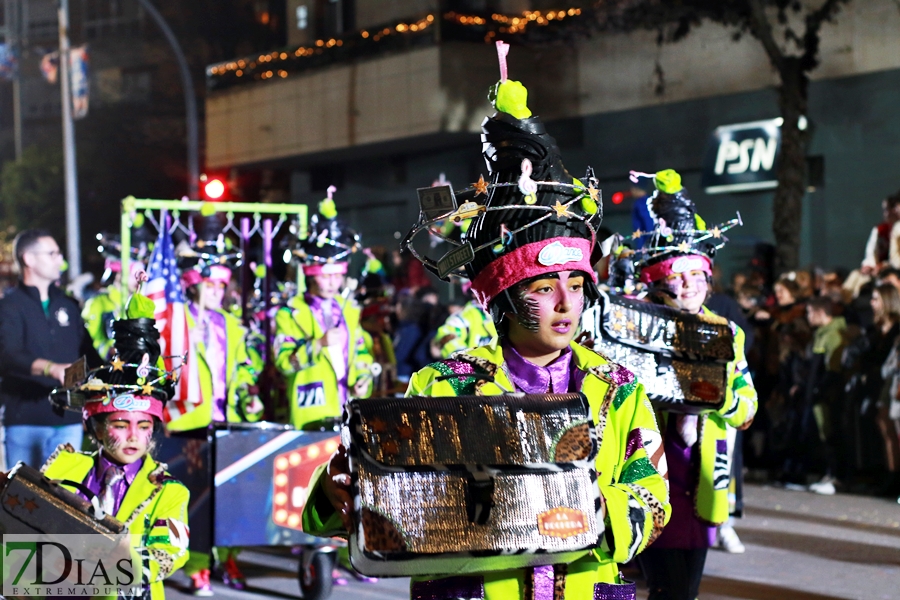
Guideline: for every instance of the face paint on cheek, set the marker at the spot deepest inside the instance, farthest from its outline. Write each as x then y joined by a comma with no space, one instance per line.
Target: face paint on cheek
527,309
114,439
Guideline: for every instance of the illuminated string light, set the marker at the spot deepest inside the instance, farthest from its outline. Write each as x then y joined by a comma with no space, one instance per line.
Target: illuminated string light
282,63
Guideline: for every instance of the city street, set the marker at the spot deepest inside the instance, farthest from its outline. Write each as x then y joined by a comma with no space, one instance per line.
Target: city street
800,546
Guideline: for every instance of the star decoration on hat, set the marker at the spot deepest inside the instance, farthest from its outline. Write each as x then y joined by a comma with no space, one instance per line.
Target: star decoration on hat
637,233
594,192
480,186
684,247
562,211
716,232
117,364
146,389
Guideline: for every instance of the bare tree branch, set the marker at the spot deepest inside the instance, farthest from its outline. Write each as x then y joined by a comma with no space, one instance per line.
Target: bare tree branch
811,38
761,29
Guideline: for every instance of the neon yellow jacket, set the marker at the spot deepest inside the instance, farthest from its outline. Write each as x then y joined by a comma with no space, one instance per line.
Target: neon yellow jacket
636,496
469,328
711,499
154,508
312,383
240,375
98,313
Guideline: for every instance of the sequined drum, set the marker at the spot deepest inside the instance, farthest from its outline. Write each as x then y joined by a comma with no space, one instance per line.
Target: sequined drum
682,359
31,503
464,484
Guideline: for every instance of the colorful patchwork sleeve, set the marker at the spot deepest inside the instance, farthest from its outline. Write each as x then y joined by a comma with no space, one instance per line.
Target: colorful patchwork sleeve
740,400
361,369
636,496
293,348
165,544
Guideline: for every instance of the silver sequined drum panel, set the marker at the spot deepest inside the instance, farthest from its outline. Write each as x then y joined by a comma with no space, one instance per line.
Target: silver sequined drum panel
428,509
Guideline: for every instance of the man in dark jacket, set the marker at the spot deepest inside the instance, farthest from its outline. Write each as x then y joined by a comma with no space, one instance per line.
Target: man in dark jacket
41,333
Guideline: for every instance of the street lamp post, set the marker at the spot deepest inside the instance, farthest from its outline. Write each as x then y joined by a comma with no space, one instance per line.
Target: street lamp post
190,100
73,227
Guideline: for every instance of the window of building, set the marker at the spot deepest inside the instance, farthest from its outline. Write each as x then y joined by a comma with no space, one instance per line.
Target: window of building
105,18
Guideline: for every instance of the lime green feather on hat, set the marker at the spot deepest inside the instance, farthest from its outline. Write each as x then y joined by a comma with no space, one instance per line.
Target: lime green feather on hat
510,97
327,208
668,181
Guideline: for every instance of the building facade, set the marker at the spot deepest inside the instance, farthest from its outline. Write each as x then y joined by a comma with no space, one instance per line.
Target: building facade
387,106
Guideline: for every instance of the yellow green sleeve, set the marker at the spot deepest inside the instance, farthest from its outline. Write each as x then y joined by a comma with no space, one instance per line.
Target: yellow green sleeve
740,399
325,524
637,496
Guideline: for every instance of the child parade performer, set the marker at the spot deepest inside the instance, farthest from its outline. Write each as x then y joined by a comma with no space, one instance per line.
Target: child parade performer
533,240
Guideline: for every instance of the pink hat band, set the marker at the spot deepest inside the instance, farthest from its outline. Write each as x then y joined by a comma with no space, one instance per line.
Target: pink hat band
217,274
537,258
337,268
676,265
124,402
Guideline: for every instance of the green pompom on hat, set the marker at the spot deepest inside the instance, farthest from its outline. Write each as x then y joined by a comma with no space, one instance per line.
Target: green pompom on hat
668,181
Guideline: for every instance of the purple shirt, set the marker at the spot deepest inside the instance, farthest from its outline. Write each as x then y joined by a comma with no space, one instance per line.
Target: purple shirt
559,377
211,332
329,315
685,530
94,479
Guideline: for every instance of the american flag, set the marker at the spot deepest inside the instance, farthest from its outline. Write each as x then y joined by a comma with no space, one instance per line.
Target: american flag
164,288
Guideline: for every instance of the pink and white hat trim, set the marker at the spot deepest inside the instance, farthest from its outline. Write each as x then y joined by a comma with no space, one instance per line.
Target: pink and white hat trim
537,258
337,268
217,274
676,265
124,402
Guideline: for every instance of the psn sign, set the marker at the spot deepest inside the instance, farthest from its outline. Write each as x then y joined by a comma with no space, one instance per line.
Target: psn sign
742,157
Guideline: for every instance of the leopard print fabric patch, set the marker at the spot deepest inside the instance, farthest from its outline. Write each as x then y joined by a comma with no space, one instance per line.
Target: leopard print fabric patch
381,534
574,444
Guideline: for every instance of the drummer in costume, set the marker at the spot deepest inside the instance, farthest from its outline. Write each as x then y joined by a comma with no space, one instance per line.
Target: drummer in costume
122,408
676,264
319,344
221,377
101,310
532,269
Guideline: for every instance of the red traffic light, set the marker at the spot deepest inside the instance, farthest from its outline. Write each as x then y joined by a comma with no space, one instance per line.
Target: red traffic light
618,198
214,189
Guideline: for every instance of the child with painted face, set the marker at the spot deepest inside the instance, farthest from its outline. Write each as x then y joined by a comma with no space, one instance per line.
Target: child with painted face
123,408
319,343
532,271
677,267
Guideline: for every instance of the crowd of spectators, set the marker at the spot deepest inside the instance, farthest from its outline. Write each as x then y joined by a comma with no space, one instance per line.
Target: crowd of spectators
826,364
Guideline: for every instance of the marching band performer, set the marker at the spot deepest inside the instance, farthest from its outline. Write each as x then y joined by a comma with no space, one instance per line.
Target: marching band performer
676,264
319,344
222,377
533,243
123,408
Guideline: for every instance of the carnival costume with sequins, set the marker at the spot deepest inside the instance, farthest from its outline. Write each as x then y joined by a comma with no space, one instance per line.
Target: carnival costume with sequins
220,373
634,493
147,500
698,484
320,378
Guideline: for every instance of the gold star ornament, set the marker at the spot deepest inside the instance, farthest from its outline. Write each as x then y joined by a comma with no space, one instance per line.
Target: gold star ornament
561,210
480,186
147,389
117,363
716,232
684,247
637,234
594,192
